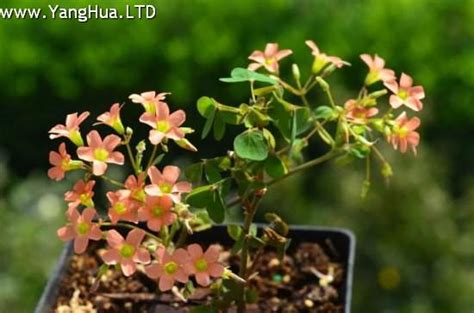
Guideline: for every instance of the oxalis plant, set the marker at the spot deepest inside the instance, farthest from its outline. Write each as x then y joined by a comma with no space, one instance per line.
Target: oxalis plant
159,208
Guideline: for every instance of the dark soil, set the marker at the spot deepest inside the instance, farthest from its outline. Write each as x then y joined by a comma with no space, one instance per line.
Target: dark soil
287,286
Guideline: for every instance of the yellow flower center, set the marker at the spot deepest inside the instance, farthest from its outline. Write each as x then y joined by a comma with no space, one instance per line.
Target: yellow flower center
76,138
372,77
82,228
162,126
65,164
100,154
270,61
170,268
150,107
157,211
86,200
201,265
403,132
127,251
166,188
139,195
403,94
120,208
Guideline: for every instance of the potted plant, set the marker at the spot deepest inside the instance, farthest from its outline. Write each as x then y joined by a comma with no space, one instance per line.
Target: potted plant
158,249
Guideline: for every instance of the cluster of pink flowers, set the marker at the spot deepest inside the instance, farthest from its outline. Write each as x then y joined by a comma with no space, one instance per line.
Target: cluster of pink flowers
402,133
182,263
148,196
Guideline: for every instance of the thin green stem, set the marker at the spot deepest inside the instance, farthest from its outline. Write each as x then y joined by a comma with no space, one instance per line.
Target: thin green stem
325,157
183,235
308,83
152,157
379,154
131,157
331,99
252,91
249,216
112,181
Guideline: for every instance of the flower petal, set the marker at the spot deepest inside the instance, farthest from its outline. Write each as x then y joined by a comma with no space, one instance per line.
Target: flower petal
80,244
128,267
203,279
142,256
195,251
406,81
98,167
116,158
171,174
177,118
111,256
181,276
156,136
163,111
215,270
166,283
85,153
111,142
212,253
88,214
183,186
95,232
154,271
135,237
66,233
114,239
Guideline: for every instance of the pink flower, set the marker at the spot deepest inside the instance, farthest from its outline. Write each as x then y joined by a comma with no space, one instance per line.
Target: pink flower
358,114
204,265
101,152
166,183
157,212
71,129
81,229
81,193
268,58
376,70
112,118
405,94
126,252
61,162
321,59
121,207
164,124
404,134
169,268
149,99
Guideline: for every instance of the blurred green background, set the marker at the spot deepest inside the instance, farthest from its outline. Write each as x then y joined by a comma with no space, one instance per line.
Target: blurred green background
415,249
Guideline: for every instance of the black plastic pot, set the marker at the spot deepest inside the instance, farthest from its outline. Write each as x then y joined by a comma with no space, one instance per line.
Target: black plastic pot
341,240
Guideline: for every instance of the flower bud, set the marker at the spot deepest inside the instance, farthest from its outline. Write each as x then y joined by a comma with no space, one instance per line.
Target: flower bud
296,71
372,77
141,146
378,93
324,85
386,170
129,131
187,130
185,144
378,124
